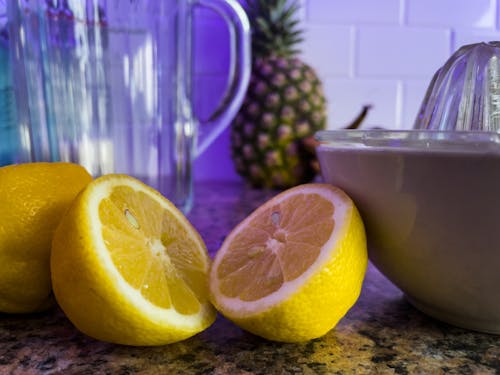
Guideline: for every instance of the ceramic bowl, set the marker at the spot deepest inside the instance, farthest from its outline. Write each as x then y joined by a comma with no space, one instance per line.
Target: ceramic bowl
430,202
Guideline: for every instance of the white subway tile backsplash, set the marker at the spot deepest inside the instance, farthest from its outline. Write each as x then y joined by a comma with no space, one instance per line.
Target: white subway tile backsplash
413,94
354,11
329,49
216,163
210,45
346,97
202,12
400,51
455,13
464,37
207,93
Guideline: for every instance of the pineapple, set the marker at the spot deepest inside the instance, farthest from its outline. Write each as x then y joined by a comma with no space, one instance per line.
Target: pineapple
271,136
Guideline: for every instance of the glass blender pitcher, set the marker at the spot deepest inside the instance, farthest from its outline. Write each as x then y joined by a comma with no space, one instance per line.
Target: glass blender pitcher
107,84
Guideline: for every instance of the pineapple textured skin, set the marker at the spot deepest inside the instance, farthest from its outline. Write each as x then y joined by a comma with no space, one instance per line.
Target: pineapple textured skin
283,108
272,143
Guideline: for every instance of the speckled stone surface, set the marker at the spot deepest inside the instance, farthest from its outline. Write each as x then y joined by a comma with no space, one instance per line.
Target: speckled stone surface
381,334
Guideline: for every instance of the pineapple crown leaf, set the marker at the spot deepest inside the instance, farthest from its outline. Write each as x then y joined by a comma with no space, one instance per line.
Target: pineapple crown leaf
274,26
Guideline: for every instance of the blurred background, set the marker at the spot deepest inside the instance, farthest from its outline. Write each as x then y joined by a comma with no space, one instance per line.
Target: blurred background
381,52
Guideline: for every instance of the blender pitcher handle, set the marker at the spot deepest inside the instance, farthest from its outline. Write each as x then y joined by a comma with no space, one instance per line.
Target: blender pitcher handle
239,70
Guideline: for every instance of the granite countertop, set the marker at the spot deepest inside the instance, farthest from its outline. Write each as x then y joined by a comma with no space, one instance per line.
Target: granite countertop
382,333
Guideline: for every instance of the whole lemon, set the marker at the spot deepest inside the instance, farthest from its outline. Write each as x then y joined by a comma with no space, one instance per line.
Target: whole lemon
33,198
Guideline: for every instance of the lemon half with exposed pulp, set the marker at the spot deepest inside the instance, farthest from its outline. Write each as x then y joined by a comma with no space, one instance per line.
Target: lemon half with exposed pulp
293,268
127,266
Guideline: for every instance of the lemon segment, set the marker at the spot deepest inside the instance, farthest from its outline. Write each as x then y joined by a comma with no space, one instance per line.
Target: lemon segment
292,269
128,267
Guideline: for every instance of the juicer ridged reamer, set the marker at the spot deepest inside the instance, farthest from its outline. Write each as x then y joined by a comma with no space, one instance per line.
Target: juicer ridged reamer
464,94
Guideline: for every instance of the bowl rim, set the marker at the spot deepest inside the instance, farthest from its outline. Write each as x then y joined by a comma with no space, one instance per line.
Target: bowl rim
418,140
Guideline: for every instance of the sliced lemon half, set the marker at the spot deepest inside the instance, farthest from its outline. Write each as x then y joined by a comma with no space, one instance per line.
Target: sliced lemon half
127,266
293,268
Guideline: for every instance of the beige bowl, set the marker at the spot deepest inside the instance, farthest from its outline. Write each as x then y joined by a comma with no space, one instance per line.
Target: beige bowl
430,201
